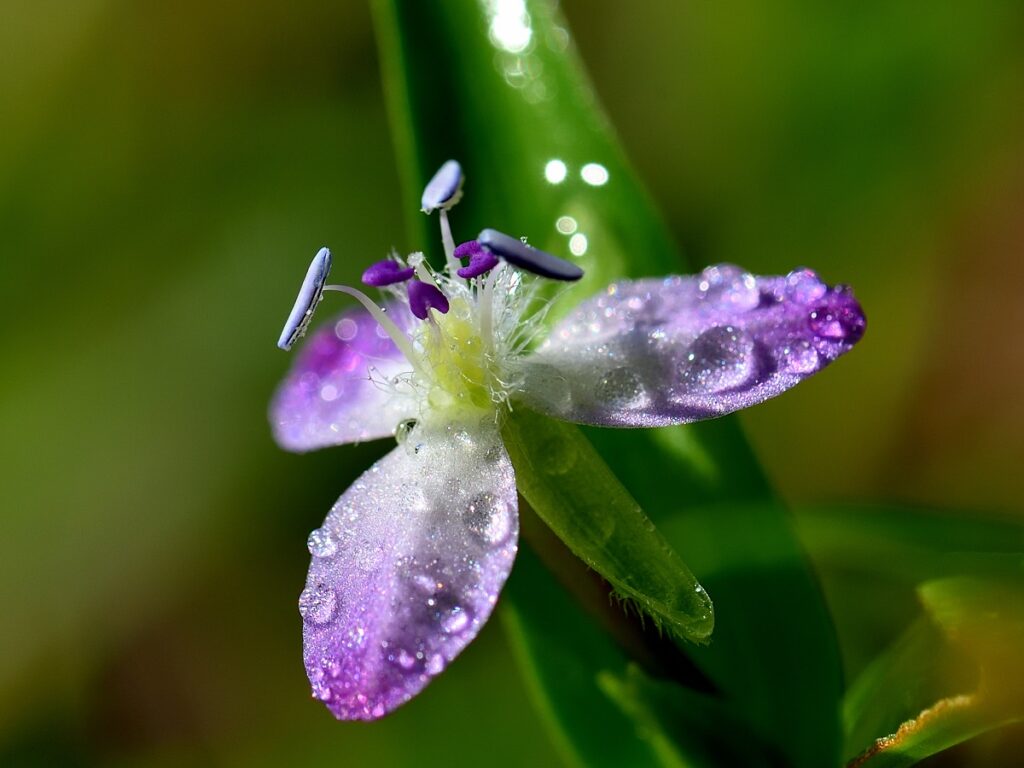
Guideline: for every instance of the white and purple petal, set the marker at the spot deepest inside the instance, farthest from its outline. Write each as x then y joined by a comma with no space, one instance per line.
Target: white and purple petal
655,352
407,567
339,389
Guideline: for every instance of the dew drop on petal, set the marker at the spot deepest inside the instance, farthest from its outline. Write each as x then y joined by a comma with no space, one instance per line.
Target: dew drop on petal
727,285
488,517
435,664
317,604
804,286
321,544
800,357
621,388
837,322
720,358
455,622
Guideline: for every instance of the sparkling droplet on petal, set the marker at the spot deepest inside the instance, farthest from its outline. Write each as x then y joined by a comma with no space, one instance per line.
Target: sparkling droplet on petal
804,286
800,357
720,358
839,320
435,664
404,428
317,604
727,285
488,517
455,622
622,388
321,544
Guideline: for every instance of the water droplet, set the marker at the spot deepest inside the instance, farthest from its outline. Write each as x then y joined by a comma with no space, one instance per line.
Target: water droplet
622,388
720,358
404,428
488,517
804,286
405,660
321,544
800,357
317,604
841,320
435,664
729,286
455,622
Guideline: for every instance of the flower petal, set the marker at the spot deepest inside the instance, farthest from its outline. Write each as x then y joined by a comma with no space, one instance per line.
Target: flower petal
407,568
337,391
654,352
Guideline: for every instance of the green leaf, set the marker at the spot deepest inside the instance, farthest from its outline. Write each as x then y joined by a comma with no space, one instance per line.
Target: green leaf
686,728
952,676
564,479
455,92
564,652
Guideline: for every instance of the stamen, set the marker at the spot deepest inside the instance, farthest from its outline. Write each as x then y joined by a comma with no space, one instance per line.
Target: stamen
519,254
401,340
424,297
386,272
441,194
467,249
310,293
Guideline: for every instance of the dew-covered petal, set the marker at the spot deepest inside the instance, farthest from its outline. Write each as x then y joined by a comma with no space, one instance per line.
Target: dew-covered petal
407,567
342,388
665,351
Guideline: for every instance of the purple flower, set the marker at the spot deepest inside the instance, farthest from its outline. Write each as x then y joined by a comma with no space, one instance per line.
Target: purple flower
409,563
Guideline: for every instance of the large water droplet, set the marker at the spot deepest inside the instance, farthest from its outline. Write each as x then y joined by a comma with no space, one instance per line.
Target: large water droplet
321,544
622,388
720,358
804,286
404,428
840,320
488,517
729,286
317,604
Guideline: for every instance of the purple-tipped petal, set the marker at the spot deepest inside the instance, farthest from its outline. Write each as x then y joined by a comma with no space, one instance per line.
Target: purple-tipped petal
519,254
407,568
386,272
329,398
668,351
479,264
444,189
310,292
424,297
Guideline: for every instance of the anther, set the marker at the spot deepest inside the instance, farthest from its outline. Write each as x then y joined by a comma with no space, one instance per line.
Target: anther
424,297
444,190
480,261
310,294
386,272
519,254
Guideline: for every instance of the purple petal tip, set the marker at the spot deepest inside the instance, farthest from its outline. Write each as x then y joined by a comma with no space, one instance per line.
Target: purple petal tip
305,303
424,297
519,254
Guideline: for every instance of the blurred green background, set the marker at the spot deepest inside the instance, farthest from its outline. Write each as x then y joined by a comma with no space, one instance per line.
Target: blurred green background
166,171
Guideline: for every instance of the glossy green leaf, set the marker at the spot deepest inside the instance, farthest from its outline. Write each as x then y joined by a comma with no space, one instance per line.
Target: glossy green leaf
564,479
686,728
457,89
563,652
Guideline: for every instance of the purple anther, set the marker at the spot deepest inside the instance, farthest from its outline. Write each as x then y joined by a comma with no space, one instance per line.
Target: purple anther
519,254
479,263
444,189
310,292
467,249
424,296
386,272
